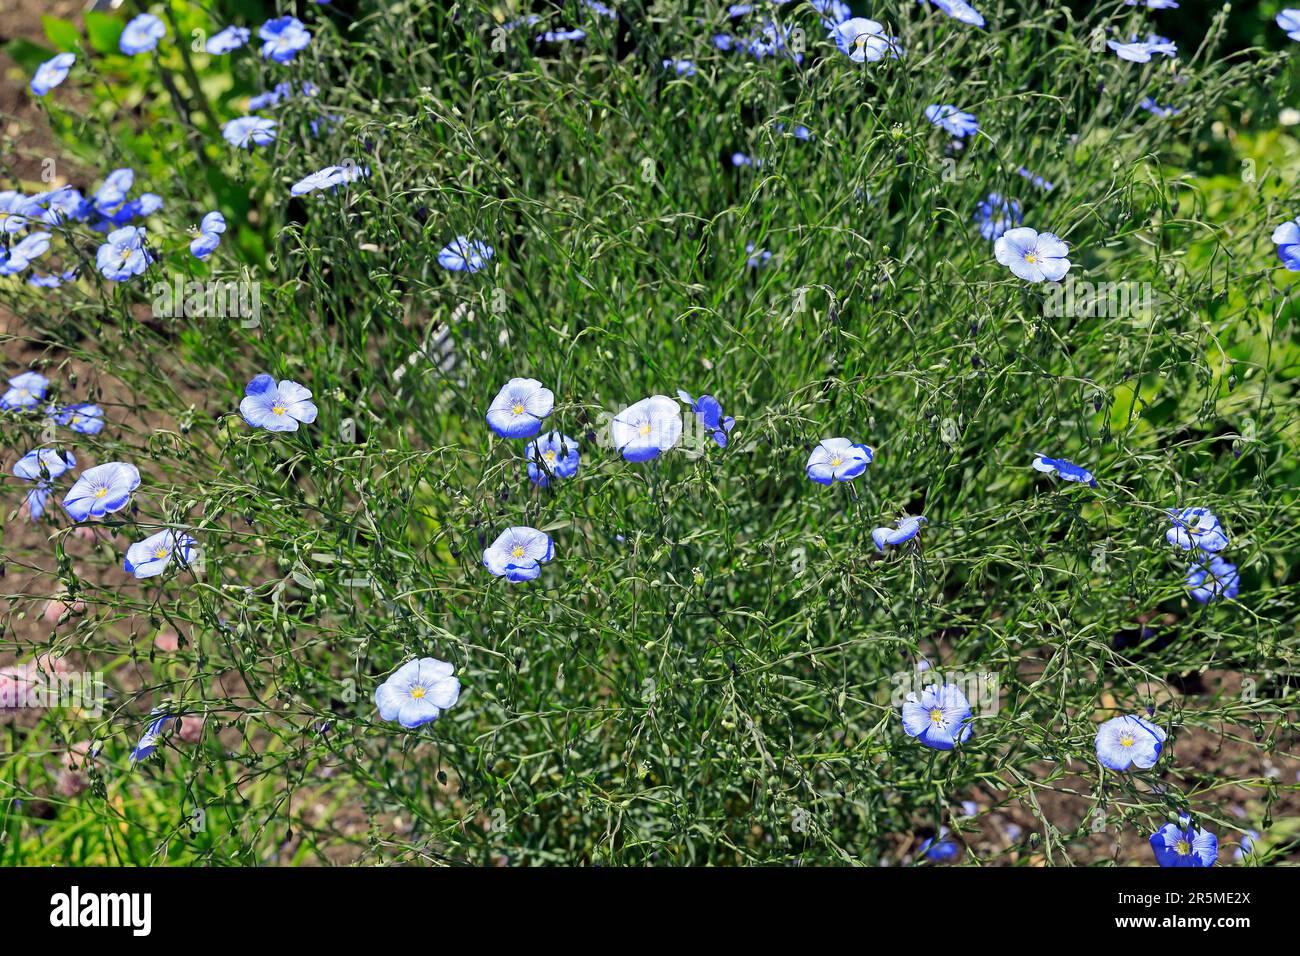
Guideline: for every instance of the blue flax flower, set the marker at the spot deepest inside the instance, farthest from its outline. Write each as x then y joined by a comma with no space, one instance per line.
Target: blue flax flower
24,252
152,734
838,459
1064,469
952,120
227,40
276,406
519,408
680,67
1141,51
1155,109
1125,742
959,10
245,132
939,848
647,429
1184,845
85,418
25,390
1289,20
561,36
101,490
709,412
282,38
833,12
141,35
908,527
42,466
124,254
863,40
1031,255
1196,528
418,692
209,237
1287,239
16,211
463,254
1212,581
552,455
518,554
150,557
939,718
52,72
996,214
329,178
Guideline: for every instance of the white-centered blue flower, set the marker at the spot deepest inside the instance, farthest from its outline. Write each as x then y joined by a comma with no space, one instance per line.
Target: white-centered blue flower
149,740
418,692
42,466
209,237
227,40
863,40
463,254
276,406
141,34
16,211
1213,580
1141,51
1289,20
1196,528
838,459
952,120
552,455
908,527
1184,845
1287,239
329,178
518,553
647,429
24,391
101,490
939,718
519,408
52,72
150,557
959,10
1124,742
1031,255
24,252
282,38
1064,469
84,418
245,132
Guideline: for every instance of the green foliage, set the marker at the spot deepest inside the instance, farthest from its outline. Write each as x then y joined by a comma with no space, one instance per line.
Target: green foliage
710,669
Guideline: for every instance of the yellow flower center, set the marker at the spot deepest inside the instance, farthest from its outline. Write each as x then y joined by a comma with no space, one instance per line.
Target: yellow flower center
1031,257
518,551
1183,848
936,715
550,456
277,409
417,692
160,553
645,429
101,492
1126,741
518,408
837,461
